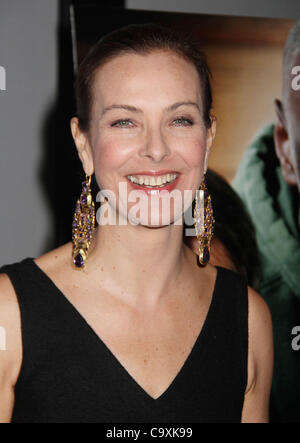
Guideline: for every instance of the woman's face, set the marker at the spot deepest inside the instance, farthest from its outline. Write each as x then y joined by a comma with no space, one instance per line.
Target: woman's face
147,130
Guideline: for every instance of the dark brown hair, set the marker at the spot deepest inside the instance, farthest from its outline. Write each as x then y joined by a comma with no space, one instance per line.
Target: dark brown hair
141,39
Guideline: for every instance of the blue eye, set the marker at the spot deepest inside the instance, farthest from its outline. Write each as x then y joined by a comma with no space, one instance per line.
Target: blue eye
121,123
183,121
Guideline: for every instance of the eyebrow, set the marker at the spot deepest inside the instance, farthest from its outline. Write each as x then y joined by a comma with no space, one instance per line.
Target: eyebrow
134,109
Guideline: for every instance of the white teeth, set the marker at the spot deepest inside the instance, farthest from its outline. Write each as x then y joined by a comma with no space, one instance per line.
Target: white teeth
152,180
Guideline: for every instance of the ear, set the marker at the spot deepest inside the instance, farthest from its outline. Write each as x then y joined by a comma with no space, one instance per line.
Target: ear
83,147
210,135
282,145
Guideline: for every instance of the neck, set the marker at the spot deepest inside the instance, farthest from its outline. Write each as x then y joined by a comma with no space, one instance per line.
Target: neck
139,262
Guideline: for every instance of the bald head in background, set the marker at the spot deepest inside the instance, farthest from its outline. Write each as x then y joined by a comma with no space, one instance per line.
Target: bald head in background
287,128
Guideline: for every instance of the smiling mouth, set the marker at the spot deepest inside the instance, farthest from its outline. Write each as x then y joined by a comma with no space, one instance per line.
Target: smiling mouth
150,181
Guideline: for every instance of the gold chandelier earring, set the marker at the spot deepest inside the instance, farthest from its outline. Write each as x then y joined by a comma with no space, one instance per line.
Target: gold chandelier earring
203,222
83,225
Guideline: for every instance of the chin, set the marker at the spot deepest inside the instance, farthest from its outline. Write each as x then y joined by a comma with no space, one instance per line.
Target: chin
157,220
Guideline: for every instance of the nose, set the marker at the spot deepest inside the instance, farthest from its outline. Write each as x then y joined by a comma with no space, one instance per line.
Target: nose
155,146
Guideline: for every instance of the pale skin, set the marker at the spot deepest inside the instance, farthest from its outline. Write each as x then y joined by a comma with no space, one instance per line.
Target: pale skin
117,292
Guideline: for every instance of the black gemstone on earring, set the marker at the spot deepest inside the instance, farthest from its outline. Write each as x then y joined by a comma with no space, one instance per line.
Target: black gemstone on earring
206,255
78,261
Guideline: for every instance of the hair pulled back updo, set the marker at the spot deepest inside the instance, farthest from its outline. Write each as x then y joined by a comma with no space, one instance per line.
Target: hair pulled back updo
139,39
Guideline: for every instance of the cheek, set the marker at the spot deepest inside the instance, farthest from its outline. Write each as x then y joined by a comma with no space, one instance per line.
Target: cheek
109,157
193,155
193,152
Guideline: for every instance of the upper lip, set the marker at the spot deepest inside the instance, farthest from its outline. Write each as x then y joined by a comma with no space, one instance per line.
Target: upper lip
155,173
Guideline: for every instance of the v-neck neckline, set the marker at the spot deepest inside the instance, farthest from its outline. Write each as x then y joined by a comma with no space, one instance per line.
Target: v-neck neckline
111,355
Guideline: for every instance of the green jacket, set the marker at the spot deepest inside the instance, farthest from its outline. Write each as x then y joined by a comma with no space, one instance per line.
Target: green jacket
275,211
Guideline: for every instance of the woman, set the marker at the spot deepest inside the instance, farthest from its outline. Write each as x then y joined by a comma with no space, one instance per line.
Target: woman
135,330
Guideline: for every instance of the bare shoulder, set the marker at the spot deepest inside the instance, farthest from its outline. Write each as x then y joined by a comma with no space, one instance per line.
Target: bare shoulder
260,360
11,349
10,317
10,328
260,334
260,320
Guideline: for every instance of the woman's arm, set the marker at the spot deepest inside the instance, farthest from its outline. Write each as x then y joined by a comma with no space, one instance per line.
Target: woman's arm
260,361
10,347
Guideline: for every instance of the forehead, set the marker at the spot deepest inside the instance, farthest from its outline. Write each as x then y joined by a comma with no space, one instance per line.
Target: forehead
160,76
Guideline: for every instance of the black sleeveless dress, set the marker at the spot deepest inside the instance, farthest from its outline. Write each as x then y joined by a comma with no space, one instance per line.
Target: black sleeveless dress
69,375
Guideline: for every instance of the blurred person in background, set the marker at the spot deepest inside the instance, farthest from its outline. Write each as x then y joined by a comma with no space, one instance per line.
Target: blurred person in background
268,181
